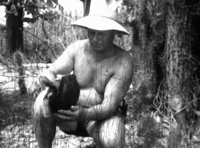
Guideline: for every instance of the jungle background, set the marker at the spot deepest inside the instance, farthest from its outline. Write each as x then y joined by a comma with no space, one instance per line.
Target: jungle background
164,98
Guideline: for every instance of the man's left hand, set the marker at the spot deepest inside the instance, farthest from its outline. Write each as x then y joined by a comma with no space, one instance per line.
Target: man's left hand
73,114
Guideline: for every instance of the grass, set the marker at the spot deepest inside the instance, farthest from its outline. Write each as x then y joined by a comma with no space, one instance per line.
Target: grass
15,108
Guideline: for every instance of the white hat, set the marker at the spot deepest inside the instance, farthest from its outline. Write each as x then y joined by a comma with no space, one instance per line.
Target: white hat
102,16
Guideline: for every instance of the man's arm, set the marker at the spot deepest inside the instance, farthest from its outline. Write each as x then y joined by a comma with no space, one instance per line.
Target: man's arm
63,65
115,92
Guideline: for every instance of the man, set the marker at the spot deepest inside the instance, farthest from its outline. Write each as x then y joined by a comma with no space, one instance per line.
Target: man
103,72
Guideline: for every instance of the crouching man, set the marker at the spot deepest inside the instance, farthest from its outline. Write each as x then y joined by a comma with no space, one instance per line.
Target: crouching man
103,72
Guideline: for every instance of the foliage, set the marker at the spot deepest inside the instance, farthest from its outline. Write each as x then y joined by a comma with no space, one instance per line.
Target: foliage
50,38
149,131
15,108
40,47
37,8
157,32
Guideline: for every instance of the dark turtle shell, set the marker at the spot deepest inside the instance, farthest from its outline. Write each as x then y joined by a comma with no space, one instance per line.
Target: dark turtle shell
64,95
68,93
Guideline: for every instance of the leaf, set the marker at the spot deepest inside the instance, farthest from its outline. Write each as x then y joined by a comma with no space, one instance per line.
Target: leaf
61,8
55,1
49,3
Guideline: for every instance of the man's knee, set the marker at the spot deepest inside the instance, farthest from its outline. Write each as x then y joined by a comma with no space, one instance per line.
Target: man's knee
40,121
113,142
44,128
40,105
110,133
115,139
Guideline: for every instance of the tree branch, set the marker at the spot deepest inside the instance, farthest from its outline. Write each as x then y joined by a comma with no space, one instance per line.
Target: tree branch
4,3
30,20
41,41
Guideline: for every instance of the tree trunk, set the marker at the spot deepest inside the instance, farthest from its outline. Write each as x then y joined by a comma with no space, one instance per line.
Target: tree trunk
18,59
86,6
14,38
14,30
177,68
143,52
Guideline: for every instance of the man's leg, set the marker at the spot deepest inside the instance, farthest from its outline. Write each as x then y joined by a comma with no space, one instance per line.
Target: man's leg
109,133
45,128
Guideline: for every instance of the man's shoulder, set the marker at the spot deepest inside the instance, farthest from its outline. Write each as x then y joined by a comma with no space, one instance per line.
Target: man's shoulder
124,55
123,63
77,46
81,43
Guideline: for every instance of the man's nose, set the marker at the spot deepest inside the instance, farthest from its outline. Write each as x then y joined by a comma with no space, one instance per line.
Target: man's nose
96,36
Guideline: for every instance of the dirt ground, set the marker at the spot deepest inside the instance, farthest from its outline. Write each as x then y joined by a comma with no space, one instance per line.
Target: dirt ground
22,136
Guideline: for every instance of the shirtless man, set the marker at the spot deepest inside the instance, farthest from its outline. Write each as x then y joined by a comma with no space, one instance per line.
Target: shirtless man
104,73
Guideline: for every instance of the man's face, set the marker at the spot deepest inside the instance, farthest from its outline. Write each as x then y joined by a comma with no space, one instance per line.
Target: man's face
100,40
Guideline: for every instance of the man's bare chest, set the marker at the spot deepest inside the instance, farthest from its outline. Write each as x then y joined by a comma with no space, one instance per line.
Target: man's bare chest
91,74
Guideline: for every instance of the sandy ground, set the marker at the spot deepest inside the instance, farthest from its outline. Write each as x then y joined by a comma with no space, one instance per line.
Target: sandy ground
9,77
23,137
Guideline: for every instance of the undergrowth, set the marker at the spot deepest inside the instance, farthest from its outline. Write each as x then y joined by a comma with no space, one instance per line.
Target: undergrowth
15,108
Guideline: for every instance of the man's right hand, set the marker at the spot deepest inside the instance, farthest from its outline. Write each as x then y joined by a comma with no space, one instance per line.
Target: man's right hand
52,87
45,82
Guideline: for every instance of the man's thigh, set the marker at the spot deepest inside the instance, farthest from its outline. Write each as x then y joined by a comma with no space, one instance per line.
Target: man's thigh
108,133
50,121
